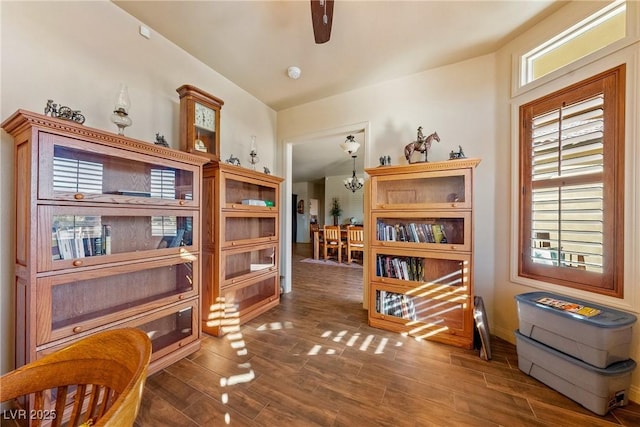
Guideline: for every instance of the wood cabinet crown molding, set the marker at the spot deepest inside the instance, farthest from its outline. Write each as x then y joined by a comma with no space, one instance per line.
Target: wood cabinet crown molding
23,120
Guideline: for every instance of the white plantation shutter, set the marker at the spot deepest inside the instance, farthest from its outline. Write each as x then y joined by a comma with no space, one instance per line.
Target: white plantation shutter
163,183
78,176
567,142
163,186
572,169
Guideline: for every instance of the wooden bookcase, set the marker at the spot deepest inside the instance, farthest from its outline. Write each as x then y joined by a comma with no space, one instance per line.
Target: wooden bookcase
421,250
241,275
107,236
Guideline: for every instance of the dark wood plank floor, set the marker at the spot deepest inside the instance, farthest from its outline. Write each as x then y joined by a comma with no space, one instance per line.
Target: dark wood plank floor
314,361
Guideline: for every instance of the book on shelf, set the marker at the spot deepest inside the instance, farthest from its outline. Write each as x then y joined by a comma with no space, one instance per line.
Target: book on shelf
258,267
55,249
70,243
411,232
439,235
428,232
97,245
65,245
78,245
106,239
396,304
403,268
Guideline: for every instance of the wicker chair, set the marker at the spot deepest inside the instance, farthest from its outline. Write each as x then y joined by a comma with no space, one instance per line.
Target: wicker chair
101,377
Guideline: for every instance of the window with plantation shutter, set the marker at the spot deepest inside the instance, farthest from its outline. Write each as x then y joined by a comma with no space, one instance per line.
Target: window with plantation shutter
572,189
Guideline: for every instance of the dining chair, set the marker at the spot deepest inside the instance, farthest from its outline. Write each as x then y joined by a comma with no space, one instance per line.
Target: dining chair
332,240
96,381
355,241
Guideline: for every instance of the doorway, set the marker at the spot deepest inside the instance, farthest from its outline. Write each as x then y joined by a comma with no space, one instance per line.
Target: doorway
339,134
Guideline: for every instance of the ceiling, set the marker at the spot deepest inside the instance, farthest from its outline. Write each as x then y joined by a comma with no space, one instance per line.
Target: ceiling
252,43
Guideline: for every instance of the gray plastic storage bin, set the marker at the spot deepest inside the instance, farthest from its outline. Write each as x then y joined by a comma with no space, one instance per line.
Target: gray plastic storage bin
593,333
597,389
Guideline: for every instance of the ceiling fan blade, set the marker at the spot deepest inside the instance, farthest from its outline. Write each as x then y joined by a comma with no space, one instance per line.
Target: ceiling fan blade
321,25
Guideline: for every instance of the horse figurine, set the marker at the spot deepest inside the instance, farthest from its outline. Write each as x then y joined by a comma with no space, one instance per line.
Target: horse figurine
422,144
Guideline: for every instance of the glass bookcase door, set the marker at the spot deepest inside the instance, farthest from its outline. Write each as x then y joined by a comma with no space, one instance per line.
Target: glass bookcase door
445,230
240,228
74,170
80,301
241,264
422,314
238,300
428,270
83,236
168,329
248,193
171,328
436,190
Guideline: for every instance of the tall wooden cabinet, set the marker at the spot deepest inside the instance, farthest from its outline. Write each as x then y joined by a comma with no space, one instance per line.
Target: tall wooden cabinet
421,250
241,276
107,236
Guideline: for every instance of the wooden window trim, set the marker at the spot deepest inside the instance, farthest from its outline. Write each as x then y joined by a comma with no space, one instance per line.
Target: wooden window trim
611,83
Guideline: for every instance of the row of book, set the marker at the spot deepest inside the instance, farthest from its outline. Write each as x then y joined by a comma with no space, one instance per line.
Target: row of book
395,304
412,232
70,243
400,267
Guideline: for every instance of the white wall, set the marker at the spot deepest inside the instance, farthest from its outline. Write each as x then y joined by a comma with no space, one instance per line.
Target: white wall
77,53
352,204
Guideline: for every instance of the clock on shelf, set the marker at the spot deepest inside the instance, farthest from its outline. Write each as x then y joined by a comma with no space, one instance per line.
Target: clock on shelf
199,122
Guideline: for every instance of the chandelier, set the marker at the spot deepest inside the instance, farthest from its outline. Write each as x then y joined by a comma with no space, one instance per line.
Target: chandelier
351,146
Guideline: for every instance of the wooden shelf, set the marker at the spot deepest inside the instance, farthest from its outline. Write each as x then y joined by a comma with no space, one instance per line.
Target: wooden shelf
108,235
241,277
421,250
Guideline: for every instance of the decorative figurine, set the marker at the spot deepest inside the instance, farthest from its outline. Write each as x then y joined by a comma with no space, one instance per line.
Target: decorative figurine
459,155
385,160
422,145
266,170
160,140
65,113
233,160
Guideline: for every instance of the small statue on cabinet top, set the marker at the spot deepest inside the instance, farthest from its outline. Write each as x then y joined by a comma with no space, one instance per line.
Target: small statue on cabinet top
459,155
422,145
160,140
266,170
63,112
233,160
